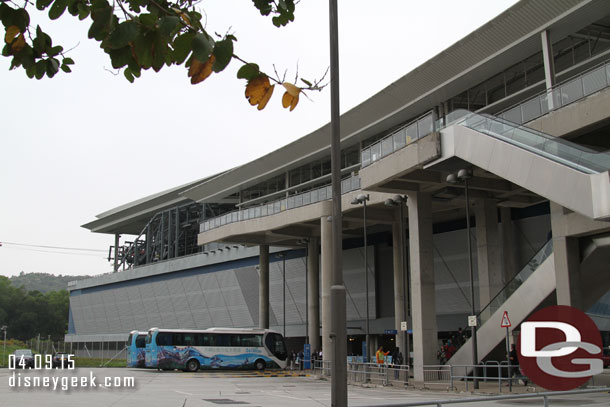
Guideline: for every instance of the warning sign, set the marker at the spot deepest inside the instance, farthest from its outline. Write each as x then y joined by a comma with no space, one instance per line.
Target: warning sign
505,321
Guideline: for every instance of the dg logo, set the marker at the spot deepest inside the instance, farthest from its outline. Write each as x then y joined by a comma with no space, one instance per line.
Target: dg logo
560,348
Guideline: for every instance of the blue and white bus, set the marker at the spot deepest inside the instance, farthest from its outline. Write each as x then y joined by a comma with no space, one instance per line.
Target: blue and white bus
215,348
136,349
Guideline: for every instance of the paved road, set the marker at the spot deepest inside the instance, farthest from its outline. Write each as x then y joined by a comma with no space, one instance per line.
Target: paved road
177,389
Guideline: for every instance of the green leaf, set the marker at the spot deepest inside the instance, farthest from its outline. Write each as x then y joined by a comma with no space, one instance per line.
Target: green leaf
148,20
264,6
128,75
182,47
83,11
41,68
55,50
143,48
202,45
248,71
68,61
57,9
123,34
65,68
42,4
223,51
160,50
306,82
30,71
120,57
101,13
168,24
52,67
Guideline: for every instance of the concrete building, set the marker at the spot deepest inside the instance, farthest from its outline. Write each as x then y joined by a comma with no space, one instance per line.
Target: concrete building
511,123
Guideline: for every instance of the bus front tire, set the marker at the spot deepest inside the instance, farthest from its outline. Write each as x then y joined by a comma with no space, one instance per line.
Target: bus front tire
192,365
259,364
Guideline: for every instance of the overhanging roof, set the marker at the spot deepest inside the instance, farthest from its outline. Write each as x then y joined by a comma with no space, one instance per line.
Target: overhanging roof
503,41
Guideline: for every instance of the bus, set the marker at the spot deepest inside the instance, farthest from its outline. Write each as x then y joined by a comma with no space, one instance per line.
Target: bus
215,348
136,349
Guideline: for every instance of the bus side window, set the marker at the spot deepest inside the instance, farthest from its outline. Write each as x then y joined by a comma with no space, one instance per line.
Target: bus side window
223,340
178,339
141,341
209,340
235,340
251,340
164,339
189,339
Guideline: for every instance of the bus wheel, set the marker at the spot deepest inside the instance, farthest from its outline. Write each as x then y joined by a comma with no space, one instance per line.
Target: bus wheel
192,365
259,364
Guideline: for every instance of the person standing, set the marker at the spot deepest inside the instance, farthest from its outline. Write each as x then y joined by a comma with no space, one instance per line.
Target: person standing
380,355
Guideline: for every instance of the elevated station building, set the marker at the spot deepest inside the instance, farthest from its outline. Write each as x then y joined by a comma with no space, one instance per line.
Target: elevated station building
510,124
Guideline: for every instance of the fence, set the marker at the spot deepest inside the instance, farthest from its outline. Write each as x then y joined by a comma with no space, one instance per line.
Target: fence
104,351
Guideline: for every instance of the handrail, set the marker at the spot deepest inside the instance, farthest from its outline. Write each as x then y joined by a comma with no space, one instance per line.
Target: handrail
509,288
348,184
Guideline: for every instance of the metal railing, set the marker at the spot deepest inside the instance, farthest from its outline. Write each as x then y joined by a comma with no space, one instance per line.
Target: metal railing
591,81
468,400
400,138
324,193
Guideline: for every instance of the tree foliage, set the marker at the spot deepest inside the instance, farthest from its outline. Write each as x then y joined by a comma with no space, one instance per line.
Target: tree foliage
29,313
140,35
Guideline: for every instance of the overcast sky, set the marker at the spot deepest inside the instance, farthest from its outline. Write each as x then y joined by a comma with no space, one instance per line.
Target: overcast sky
82,143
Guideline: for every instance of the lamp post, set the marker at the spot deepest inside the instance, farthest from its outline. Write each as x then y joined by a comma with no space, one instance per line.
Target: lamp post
462,176
361,199
283,257
4,327
400,200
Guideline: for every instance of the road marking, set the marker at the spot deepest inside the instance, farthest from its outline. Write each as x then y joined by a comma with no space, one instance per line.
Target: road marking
183,392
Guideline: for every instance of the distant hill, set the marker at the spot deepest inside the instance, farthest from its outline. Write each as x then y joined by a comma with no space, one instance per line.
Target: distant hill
43,282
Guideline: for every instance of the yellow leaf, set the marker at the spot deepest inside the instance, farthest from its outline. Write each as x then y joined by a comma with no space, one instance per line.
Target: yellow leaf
290,101
11,32
185,18
18,44
292,89
257,88
266,98
199,71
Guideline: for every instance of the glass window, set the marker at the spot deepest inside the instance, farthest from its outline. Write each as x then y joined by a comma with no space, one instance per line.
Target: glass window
129,339
251,340
223,340
189,339
275,343
141,341
164,339
178,339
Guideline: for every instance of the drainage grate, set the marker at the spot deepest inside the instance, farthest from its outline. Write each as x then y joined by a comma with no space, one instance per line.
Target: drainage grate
224,401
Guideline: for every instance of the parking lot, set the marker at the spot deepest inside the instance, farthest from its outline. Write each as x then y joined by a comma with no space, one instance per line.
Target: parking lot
114,387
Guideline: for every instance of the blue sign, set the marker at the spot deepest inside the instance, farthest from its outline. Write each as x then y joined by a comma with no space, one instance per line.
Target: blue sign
390,332
307,356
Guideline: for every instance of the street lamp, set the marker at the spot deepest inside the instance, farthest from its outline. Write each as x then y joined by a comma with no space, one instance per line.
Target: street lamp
462,176
283,257
361,199
400,200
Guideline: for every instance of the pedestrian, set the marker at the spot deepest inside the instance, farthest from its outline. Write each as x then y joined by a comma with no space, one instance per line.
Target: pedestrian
449,349
380,355
396,361
459,338
300,359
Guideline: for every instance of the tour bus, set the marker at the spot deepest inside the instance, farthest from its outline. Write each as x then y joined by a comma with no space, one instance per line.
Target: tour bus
136,349
215,348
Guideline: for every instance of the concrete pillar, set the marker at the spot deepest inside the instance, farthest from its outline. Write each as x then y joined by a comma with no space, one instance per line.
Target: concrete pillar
509,254
489,265
567,260
398,252
423,298
263,287
313,291
326,244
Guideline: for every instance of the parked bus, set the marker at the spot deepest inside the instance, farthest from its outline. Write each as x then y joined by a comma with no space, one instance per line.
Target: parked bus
215,348
136,349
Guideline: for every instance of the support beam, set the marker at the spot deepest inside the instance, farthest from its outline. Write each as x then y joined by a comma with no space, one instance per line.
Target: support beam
567,260
263,287
509,254
313,291
423,298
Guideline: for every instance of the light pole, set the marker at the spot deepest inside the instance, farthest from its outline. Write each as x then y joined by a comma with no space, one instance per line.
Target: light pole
400,200
462,176
283,257
4,327
361,199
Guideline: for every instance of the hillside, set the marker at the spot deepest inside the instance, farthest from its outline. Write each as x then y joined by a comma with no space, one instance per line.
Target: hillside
43,282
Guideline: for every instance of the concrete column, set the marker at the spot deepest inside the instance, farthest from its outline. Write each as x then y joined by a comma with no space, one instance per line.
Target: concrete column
263,287
489,266
423,298
399,292
509,254
313,291
326,249
567,260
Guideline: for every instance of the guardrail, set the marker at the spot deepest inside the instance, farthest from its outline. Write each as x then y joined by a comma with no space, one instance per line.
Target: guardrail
398,139
591,81
324,193
467,401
